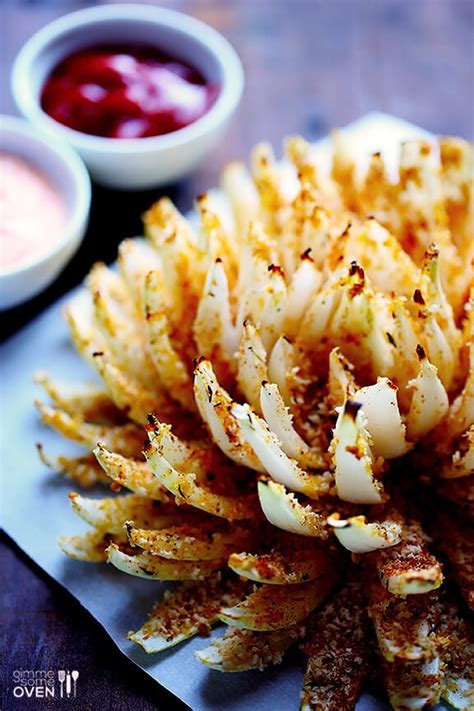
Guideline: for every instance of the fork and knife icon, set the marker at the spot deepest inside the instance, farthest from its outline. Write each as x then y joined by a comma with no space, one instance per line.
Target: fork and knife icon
67,676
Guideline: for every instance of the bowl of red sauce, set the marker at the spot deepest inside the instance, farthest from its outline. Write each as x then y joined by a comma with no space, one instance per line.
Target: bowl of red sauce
142,93
45,198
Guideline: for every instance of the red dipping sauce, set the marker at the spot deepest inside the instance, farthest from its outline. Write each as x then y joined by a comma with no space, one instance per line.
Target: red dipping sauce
126,92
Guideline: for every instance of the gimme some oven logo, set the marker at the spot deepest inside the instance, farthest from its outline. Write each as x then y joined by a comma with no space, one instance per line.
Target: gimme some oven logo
45,684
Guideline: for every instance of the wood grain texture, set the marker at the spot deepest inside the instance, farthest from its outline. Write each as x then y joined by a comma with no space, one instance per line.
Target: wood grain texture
310,65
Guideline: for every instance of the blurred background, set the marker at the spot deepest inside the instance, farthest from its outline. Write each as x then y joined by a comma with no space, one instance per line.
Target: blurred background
313,64
310,65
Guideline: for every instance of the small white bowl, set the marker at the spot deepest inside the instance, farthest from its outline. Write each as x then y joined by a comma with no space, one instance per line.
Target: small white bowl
138,162
58,162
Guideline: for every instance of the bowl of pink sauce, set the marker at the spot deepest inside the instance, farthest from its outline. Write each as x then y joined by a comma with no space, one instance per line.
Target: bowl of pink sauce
44,208
142,93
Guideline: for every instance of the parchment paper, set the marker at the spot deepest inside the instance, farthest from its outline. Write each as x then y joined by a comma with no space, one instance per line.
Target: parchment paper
35,509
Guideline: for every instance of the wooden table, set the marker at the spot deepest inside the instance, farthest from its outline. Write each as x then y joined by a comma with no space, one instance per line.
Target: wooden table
310,65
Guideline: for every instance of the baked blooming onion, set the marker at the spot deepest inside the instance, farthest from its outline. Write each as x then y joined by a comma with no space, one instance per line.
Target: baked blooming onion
300,355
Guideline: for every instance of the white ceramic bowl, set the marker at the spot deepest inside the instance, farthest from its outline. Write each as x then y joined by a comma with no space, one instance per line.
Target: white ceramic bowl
139,162
68,173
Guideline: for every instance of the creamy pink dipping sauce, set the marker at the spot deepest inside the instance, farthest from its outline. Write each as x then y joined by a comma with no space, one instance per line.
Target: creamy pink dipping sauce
33,213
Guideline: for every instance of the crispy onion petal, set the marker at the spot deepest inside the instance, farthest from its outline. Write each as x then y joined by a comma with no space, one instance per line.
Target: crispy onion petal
170,367
116,318
438,349
283,510
264,291
216,225
405,337
341,381
192,541
280,363
252,364
242,194
182,455
304,283
110,514
80,318
414,685
359,536
126,439
214,331
153,567
89,547
316,321
409,568
186,489
190,610
136,257
280,422
85,471
127,394
337,650
281,468
404,627
88,401
353,458
282,566
241,650
461,414
435,297
383,420
173,237
133,475
429,404
214,405
274,607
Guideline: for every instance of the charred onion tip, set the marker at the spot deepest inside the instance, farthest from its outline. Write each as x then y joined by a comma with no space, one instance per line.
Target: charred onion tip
420,352
307,254
432,251
97,354
152,419
265,383
355,269
351,408
418,297
218,260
